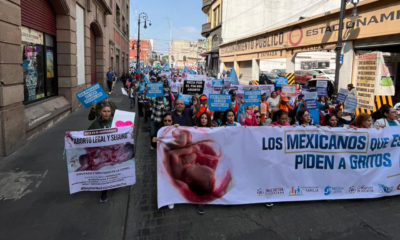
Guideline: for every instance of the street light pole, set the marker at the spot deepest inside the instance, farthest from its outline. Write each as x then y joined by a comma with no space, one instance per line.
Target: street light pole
339,45
142,16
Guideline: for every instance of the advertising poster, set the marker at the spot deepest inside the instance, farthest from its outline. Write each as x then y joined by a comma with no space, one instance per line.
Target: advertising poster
155,90
91,95
99,160
367,72
197,166
219,102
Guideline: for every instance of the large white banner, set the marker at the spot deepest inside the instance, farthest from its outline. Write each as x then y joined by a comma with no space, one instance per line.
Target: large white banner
100,159
244,165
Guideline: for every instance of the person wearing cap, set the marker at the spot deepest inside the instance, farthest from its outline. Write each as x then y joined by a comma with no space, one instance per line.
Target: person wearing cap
284,104
202,106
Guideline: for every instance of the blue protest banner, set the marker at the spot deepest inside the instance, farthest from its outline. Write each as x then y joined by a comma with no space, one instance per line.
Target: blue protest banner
350,104
91,95
279,81
342,95
217,82
322,88
155,90
252,98
311,100
219,102
186,98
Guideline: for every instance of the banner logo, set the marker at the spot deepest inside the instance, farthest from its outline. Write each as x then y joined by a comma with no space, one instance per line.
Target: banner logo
296,191
385,189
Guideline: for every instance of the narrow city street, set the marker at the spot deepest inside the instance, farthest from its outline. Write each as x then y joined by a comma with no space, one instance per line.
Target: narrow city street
35,203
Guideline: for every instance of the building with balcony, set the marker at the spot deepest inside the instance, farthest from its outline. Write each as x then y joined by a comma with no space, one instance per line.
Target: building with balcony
187,53
212,32
52,50
146,49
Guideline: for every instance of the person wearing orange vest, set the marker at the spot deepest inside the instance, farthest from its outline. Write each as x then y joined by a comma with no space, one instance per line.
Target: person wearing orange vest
284,104
202,106
264,109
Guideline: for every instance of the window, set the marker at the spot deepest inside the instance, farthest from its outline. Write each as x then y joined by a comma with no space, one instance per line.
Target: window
38,57
216,17
117,16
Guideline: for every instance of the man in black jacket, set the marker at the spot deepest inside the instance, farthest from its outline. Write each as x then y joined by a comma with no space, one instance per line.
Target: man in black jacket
182,116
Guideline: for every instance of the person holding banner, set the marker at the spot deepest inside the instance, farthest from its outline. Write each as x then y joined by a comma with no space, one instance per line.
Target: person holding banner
204,120
363,120
330,121
303,118
258,118
95,109
202,106
340,120
104,121
388,117
166,121
229,119
281,119
182,116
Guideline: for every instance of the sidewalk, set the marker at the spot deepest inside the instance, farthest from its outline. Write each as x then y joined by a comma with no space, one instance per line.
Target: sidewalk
39,206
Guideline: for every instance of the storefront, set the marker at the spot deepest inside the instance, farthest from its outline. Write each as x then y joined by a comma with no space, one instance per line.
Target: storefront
38,46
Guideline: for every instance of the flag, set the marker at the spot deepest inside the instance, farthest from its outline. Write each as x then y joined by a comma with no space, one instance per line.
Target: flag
234,77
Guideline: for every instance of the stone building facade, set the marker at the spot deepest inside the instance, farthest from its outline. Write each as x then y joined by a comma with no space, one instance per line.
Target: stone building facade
49,51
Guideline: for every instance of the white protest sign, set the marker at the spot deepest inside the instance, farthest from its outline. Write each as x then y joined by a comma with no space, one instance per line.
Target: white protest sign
101,159
123,119
279,164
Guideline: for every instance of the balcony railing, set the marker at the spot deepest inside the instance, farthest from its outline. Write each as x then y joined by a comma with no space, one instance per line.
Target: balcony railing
205,29
206,5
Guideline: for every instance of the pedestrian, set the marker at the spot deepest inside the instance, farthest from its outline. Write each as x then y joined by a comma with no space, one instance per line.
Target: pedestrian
284,105
340,120
229,119
110,77
132,96
217,120
204,120
159,107
104,121
281,119
330,121
363,120
388,117
181,115
264,109
258,118
202,106
95,109
303,118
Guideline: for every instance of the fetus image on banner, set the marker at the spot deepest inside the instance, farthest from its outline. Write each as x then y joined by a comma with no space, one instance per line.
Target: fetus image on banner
99,157
192,167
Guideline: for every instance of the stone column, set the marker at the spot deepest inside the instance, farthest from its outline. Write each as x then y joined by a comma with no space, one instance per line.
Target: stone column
66,56
290,64
12,119
255,69
346,70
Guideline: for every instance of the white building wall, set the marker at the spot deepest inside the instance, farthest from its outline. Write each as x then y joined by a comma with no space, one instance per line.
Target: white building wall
244,18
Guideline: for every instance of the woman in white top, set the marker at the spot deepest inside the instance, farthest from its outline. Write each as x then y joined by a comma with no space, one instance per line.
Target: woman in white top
273,102
389,117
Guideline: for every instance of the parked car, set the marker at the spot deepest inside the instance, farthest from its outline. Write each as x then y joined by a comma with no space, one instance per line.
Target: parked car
279,72
312,84
328,73
267,78
302,76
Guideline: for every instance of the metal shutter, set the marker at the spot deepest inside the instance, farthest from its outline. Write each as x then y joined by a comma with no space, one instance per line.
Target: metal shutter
38,15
